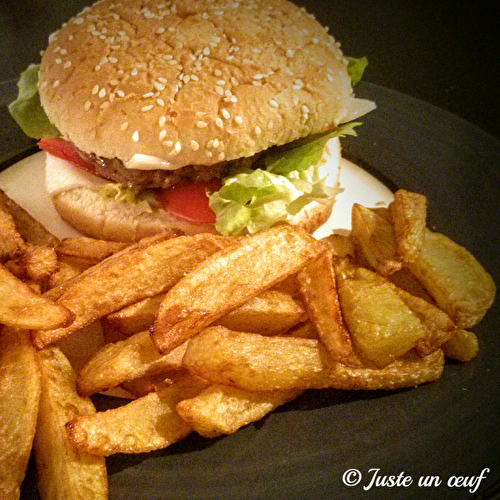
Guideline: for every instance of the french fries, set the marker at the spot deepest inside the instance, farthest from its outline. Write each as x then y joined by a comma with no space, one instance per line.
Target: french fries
209,334
22,307
145,424
256,363
240,273
65,472
19,401
454,278
221,409
148,272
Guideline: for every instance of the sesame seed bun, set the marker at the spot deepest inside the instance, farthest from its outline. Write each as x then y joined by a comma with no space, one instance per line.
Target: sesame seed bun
193,83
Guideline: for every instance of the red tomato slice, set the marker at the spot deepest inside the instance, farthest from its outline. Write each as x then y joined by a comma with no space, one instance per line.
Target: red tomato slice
66,151
189,200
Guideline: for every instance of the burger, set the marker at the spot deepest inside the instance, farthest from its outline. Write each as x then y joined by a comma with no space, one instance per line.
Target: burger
194,115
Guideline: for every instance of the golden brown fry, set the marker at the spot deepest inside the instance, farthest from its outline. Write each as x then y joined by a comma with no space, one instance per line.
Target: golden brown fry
63,471
382,326
19,400
374,239
145,424
30,229
407,371
341,245
21,307
409,218
437,323
230,278
40,262
11,243
257,363
269,313
319,292
220,409
149,270
135,317
454,278
88,250
126,360
462,346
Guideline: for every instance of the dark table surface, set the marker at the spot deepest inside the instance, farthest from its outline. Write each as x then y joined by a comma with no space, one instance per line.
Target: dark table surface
443,52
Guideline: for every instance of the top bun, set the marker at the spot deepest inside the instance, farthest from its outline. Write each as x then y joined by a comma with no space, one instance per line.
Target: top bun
193,82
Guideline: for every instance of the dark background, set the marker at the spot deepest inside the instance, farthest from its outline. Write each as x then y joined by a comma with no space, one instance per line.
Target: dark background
441,51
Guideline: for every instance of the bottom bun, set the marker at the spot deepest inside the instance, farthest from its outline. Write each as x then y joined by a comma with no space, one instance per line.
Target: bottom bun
108,219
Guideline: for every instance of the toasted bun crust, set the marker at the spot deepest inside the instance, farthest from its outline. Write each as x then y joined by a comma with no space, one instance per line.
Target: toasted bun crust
196,83
109,219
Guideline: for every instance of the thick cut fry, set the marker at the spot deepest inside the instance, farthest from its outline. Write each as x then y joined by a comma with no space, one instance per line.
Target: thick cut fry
148,270
409,370
256,363
454,278
230,278
21,307
382,326
126,360
19,400
145,424
135,317
40,262
222,409
409,218
63,471
11,243
462,346
269,313
88,250
319,293
437,323
374,239
341,245
29,228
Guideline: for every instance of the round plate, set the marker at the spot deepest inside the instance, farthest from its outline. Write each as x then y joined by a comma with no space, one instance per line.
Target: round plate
438,432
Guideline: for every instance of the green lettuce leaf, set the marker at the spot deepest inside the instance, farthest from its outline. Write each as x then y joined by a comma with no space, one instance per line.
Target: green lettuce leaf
27,110
356,68
286,180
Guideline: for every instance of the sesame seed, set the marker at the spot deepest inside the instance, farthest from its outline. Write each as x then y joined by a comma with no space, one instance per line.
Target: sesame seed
221,156
135,136
168,144
58,61
178,146
226,114
305,109
273,103
102,93
160,102
162,121
159,31
194,145
219,122
147,108
218,72
290,53
162,135
87,105
112,60
219,90
201,124
134,72
56,83
67,64
216,143
120,93
257,130
238,119
124,126
114,83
